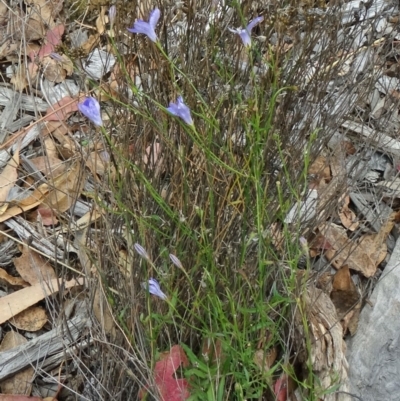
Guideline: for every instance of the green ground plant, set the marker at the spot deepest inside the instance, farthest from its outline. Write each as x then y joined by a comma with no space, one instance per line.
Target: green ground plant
210,193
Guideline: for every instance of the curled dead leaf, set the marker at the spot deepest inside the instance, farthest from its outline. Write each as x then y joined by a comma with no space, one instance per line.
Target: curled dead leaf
347,216
265,359
33,268
345,297
11,281
363,255
62,109
31,319
52,70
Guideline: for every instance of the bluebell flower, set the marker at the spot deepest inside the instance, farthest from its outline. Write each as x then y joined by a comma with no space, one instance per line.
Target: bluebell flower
179,109
154,288
112,12
147,28
175,261
90,108
56,56
245,34
141,251
303,242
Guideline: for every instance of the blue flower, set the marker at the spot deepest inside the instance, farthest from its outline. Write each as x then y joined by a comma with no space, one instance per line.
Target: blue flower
56,56
90,108
175,261
154,288
112,12
179,109
141,251
245,34
147,28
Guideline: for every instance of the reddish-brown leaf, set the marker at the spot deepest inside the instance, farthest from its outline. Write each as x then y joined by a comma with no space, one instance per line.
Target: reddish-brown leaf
61,110
169,387
280,388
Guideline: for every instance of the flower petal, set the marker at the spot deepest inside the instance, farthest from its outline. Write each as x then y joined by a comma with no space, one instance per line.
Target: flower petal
154,288
175,261
235,30
147,28
154,17
245,36
253,23
179,109
173,109
112,12
90,108
141,251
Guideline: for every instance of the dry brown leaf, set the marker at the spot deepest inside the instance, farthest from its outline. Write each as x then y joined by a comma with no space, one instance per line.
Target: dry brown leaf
12,281
102,312
265,359
212,351
50,126
16,210
66,147
18,301
11,340
3,13
19,78
8,177
91,43
33,268
49,165
34,29
96,164
20,383
123,263
321,168
277,236
347,216
46,216
8,48
31,319
31,49
20,26
350,322
41,10
52,70
349,148
317,244
49,147
89,218
102,20
344,293
363,255
53,38
62,109
67,64
66,188
330,190
35,199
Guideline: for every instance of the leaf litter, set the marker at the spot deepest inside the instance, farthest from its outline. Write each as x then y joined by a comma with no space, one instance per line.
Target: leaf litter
65,179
